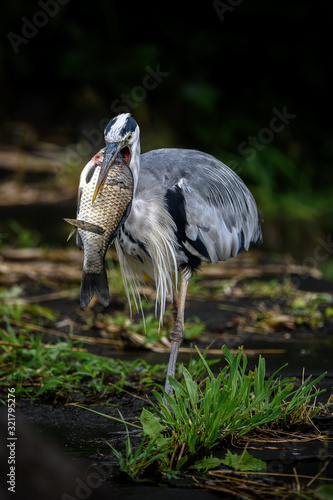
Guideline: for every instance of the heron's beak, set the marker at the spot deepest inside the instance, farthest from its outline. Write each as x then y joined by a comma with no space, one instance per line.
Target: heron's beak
110,154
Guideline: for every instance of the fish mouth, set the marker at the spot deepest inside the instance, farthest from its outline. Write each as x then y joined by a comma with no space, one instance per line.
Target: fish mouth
112,150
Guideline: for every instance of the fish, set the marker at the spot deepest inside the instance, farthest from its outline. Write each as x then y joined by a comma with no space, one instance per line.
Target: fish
99,221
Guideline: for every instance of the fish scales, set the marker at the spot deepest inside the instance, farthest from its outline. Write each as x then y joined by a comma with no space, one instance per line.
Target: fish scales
98,222
107,210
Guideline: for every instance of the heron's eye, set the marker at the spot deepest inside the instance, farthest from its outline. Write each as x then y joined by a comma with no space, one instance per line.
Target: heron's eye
129,137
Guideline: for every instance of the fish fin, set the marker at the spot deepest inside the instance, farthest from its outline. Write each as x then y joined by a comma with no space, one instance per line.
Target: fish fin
93,282
73,222
71,233
86,226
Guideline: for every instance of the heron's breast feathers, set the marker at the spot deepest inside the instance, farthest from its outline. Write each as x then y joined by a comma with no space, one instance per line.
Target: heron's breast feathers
147,244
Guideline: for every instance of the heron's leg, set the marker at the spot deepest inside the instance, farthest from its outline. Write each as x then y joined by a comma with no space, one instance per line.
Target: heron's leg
175,304
176,334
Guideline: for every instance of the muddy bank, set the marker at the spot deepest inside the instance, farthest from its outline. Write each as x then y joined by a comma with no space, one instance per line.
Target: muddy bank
64,451
63,448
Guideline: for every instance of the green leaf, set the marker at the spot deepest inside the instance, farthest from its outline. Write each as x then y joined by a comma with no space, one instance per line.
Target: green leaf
181,462
209,371
191,386
329,312
207,463
171,474
151,425
244,462
324,492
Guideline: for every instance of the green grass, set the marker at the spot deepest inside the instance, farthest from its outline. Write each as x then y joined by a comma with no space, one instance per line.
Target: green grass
64,369
179,433
311,308
182,429
272,288
12,307
22,237
148,330
300,308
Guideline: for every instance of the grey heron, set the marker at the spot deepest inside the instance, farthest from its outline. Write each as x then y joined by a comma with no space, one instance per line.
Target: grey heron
187,208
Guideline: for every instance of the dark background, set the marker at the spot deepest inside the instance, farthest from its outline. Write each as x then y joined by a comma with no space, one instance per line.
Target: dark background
224,68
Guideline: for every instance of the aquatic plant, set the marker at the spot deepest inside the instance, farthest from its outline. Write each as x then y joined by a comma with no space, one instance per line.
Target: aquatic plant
183,428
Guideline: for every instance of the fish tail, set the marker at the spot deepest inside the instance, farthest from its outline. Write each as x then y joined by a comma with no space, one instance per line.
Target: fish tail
93,282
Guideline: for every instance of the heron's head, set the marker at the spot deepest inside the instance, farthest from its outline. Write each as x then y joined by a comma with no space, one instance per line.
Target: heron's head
122,136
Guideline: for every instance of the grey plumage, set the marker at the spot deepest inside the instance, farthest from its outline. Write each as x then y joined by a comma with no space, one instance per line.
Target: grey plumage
216,215
187,207
217,204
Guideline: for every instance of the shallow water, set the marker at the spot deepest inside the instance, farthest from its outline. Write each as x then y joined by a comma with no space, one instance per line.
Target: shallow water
82,436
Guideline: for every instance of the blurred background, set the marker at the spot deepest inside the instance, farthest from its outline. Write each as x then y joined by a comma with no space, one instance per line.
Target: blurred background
246,81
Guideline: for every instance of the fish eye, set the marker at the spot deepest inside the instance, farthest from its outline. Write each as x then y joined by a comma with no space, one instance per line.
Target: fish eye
129,137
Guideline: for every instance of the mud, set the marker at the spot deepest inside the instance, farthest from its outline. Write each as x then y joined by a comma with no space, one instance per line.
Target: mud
62,450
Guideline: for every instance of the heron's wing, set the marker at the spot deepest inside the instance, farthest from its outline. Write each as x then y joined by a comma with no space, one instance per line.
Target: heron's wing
215,213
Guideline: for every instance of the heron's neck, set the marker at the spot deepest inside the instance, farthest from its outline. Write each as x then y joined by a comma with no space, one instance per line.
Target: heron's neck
135,164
